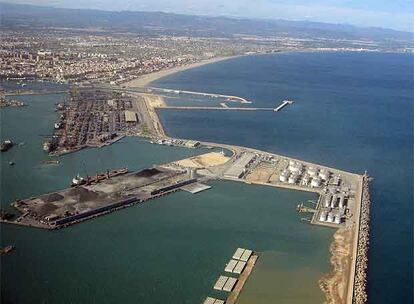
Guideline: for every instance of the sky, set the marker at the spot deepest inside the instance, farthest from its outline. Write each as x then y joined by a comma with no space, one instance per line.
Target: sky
395,14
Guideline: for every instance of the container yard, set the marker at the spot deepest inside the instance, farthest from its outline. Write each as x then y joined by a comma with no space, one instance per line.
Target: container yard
93,118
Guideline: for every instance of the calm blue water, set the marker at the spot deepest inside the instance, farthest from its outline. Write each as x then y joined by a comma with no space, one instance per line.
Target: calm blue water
353,111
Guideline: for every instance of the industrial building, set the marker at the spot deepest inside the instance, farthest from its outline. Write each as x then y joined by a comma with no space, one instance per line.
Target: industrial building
240,165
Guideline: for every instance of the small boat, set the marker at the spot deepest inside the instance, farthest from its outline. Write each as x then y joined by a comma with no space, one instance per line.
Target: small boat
6,249
46,146
6,145
11,163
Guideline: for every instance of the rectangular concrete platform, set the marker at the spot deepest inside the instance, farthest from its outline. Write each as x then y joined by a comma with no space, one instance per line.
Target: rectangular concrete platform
246,255
195,188
239,267
229,284
230,266
221,281
239,252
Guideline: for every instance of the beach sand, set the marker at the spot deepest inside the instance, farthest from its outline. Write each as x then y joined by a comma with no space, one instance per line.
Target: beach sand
145,80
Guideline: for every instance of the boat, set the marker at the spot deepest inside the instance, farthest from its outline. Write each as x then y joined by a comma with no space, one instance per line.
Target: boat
6,145
77,181
6,249
11,163
47,146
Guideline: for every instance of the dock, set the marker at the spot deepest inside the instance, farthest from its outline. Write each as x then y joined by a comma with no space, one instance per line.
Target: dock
195,188
88,200
230,266
229,284
284,104
237,255
210,300
232,298
216,108
221,281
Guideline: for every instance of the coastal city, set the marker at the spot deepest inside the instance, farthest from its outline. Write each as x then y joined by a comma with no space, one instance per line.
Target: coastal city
77,56
112,161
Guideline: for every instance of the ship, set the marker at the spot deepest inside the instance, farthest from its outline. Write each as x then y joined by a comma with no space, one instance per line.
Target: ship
79,180
6,249
50,162
47,146
6,145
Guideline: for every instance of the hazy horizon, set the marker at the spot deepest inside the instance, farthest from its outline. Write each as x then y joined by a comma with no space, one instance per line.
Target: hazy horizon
398,15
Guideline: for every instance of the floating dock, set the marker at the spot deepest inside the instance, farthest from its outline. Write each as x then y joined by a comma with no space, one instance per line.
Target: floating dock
229,284
246,255
238,269
221,281
210,300
225,283
230,266
237,255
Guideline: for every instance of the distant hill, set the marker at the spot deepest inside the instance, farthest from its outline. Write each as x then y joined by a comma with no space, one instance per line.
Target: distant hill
17,15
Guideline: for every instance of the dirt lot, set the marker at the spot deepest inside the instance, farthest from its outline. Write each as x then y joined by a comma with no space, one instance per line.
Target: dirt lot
205,160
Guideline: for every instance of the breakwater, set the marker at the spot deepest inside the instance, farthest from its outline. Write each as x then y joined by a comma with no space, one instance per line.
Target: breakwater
360,282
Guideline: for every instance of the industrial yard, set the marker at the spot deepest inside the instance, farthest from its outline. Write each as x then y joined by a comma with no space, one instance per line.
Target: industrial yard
92,117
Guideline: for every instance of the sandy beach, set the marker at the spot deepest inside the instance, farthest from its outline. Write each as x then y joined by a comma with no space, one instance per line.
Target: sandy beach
145,80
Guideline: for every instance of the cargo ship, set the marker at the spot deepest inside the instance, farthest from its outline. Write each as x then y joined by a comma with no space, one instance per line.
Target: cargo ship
6,145
79,180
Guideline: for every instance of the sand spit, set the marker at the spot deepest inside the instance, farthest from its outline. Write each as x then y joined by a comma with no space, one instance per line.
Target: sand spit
334,284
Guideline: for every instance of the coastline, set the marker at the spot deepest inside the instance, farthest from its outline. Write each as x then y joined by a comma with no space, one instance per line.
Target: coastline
145,80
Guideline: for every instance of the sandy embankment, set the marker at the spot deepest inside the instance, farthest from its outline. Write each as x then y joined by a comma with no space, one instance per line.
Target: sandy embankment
335,283
144,80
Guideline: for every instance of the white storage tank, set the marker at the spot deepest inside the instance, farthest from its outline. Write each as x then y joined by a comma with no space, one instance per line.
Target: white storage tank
316,182
324,174
293,178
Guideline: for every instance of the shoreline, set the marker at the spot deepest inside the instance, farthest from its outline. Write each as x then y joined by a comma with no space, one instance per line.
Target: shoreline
146,79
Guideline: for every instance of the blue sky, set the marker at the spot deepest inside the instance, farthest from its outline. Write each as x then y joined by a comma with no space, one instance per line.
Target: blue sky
396,14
